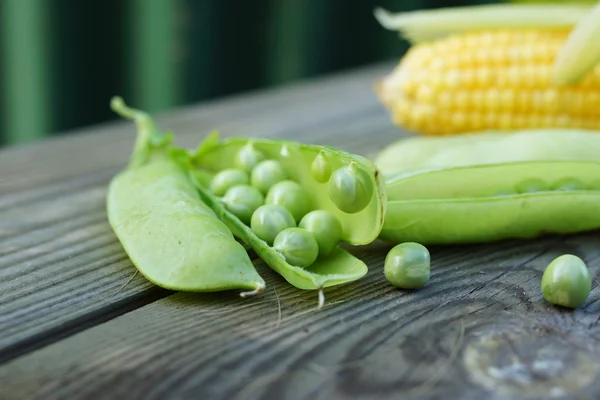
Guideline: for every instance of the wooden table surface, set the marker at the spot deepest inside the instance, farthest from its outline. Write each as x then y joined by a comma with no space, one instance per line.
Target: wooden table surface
74,324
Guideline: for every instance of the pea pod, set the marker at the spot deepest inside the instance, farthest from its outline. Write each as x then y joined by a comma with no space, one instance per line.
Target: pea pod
359,185
173,238
488,147
493,202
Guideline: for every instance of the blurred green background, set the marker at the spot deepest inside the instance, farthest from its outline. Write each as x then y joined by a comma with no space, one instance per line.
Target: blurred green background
62,60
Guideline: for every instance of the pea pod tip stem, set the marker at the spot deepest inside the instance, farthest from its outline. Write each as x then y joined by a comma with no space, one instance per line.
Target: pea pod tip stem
254,292
321,299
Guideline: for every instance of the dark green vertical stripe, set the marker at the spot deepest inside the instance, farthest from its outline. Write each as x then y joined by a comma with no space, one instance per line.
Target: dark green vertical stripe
3,134
318,26
240,49
155,73
287,44
88,61
26,101
199,44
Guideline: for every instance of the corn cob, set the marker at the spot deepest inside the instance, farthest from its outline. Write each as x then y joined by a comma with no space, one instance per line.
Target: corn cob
496,79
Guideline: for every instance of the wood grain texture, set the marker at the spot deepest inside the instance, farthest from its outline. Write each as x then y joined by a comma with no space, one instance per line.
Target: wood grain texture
61,267
479,329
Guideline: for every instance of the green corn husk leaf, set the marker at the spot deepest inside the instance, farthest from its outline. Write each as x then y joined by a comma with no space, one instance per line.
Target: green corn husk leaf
426,25
581,51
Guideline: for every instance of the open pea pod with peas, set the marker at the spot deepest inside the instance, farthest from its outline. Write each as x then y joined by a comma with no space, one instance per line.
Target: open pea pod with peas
294,204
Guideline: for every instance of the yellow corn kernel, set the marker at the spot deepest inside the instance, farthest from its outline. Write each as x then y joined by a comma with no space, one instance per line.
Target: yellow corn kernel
497,79
520,121
425,94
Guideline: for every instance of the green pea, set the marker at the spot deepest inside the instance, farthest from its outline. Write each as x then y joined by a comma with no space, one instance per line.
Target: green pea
566,281
242,201
407,265
227,178
291,196
266,174
268,220
298,246
248,157
569,184
531,186
325,227
350,189
320,168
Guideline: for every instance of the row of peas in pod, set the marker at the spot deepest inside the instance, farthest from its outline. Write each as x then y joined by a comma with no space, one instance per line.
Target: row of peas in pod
278,210
293,204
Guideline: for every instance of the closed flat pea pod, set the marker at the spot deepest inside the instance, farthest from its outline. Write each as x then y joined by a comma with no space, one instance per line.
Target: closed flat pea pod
493,202
173,238
345,188
488,147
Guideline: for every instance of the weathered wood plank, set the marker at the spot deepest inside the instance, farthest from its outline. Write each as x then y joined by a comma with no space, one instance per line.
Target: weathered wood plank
479,329
60,263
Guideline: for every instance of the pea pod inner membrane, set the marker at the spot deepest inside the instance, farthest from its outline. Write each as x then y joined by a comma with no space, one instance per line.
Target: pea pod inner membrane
493,202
